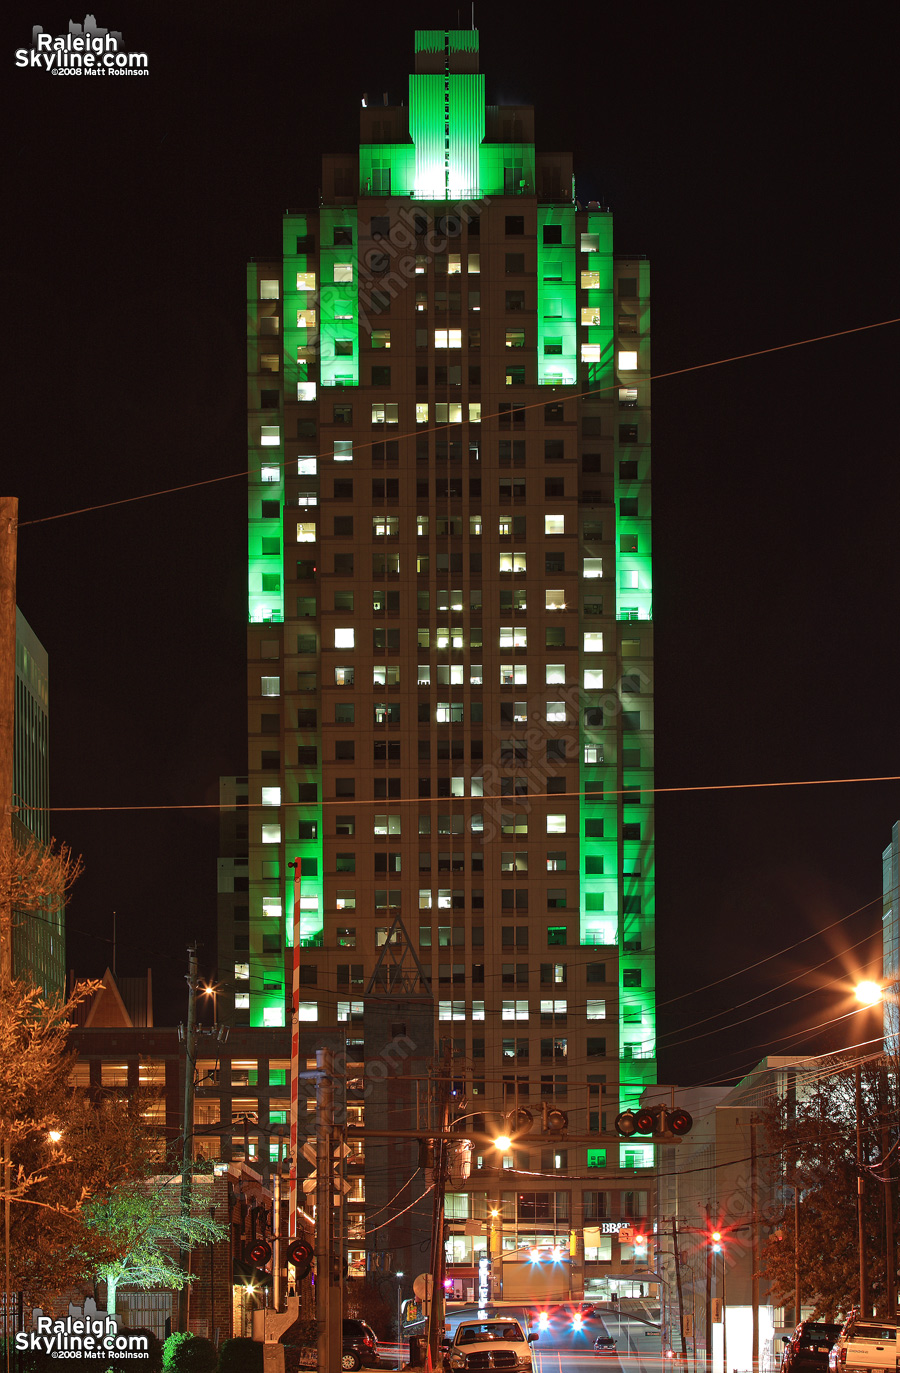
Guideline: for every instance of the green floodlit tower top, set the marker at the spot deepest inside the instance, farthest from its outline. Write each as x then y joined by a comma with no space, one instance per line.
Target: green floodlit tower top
449,523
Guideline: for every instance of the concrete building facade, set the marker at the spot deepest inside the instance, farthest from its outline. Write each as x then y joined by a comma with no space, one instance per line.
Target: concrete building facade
450,646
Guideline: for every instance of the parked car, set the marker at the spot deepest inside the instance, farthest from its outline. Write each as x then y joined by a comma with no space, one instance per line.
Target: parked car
807,1349
490,1344
360,1346
866,1343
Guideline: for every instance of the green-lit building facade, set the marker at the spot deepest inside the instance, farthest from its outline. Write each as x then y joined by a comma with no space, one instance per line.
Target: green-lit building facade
450,663
39,941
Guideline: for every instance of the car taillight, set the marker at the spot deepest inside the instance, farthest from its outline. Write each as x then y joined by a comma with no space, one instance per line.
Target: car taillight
842,1355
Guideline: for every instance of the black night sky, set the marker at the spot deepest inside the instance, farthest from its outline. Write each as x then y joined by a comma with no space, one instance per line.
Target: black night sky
750,153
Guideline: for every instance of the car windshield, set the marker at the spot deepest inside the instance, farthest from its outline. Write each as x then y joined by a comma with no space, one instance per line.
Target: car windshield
499,1330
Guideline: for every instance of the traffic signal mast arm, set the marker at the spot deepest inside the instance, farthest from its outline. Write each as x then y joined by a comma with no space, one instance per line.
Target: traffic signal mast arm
595,1137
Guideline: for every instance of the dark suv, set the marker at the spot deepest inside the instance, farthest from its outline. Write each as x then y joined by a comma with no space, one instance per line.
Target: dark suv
806,1351
360,1346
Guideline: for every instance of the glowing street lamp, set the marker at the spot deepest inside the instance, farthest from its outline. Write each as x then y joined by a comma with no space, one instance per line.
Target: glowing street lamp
869,993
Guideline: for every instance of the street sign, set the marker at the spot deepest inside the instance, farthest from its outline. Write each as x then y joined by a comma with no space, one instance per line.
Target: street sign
422,1286
626,1234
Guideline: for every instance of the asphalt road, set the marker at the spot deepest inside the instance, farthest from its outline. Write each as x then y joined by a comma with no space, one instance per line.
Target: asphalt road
563,1349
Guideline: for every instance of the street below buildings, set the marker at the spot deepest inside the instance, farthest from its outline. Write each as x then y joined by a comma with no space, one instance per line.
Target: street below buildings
561,1348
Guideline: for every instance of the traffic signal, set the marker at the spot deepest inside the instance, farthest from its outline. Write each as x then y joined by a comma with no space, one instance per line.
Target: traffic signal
715,1240
300,1254
640,1245
655,1120
259,1253
518,1122
552,1120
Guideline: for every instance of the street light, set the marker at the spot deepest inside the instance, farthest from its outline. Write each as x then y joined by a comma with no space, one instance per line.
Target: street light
869,993
399,1354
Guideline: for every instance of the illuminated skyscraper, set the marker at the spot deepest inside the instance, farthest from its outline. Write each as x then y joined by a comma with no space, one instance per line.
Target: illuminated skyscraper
39,940
450,601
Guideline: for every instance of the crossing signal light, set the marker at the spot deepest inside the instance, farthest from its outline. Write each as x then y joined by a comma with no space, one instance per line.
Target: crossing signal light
259,1253
640,1246
300,1254
679,1122
656,1120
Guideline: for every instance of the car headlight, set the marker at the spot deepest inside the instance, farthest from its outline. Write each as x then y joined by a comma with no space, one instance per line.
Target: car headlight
457,1361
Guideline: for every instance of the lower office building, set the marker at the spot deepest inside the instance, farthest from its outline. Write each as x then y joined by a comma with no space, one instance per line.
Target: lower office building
450,642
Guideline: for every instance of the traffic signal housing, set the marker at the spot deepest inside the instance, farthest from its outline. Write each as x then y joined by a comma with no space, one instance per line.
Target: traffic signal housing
259,1253
300,1253
661,1122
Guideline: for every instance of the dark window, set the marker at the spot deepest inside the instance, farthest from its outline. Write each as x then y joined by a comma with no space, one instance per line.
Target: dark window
379,224
628,505
343,235
343,524
270,760
515,264
515,225
515,300
628,471
627,288
270,510
553,233
343,414
306,429
343,488
628,433
554,486
345,786
344,750
268,400
381,376
306,244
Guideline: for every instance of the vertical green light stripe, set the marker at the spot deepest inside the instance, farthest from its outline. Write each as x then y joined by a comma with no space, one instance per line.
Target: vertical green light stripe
466,135
437,40
446,124
336,299
556,298
264,603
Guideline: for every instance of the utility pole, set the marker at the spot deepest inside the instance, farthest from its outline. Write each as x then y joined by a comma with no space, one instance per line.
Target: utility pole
678,1286
276,1238
190,1055
860,1196
441,1156
328,1284
9,521
708,1296
754,1243
890,1273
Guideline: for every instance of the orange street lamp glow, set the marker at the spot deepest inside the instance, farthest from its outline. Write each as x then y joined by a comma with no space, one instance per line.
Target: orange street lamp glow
869,993
502,1142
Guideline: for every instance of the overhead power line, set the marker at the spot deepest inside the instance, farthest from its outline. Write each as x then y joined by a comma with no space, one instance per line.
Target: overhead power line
577,395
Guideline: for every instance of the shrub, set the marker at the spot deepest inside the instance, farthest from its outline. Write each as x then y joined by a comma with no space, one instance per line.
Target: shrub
241,1356
187,1353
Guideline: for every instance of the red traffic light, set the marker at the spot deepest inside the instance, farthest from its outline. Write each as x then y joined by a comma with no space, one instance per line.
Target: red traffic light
679,1122
300,1254
259,1253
